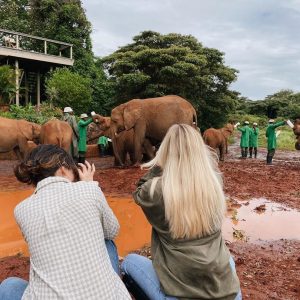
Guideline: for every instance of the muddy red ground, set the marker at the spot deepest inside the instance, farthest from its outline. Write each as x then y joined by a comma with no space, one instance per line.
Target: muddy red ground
269,270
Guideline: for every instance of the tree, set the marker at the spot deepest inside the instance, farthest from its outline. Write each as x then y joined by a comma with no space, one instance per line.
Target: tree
156,65
14,15
7,84
65,20
66,88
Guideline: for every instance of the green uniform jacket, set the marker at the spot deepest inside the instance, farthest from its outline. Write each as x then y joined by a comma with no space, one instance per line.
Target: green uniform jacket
253,138
245,136
271,135
103,141
71,120
187,269
82,125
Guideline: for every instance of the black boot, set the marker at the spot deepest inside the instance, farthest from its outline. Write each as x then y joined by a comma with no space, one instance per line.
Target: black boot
250,152
255,152
81,159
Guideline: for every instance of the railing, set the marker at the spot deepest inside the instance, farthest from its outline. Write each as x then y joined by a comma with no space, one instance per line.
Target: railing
31,43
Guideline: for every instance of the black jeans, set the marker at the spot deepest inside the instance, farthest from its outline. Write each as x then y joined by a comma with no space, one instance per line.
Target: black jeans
81,158
244,152
270,156
251,151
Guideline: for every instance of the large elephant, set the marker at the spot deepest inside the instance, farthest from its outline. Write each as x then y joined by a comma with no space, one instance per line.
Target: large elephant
218,138
57,132
296,130
15,134
123,143
151,118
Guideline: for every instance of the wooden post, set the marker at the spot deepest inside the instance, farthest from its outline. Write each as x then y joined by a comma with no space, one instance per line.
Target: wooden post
26,88
45,47
71,52
17,83
38,89
17,42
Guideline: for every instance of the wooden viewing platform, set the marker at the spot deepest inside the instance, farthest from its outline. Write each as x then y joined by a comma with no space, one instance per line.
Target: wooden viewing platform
32,55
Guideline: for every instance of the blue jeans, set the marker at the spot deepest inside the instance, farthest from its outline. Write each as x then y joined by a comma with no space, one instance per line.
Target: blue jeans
141,270
13,288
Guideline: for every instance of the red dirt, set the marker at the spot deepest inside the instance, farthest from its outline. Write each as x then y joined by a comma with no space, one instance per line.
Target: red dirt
266,270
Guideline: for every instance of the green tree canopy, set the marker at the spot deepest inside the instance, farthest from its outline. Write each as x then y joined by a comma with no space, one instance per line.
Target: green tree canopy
156,65
65,20
14,15
66,88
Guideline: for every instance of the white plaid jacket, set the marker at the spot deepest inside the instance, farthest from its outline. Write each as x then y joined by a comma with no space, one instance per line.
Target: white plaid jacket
65,225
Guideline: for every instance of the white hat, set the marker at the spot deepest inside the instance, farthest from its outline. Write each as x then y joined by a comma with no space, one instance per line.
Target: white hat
68,109
93,113
246,122
82,116
271,121
255,124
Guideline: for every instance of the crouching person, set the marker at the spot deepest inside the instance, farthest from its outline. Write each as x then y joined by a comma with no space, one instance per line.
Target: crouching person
183,199
69,229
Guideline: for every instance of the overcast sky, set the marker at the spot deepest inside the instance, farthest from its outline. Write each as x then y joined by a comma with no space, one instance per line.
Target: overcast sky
260,38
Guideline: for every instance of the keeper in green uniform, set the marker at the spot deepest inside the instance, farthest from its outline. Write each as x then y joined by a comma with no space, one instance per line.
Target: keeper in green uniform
253,140
271,136
245,130
82,126
102,145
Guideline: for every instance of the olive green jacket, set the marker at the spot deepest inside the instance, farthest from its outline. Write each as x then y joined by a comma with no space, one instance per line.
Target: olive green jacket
271,135
187,269
253,137
245,130
82,125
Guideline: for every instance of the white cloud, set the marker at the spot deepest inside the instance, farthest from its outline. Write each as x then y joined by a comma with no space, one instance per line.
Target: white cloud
260,38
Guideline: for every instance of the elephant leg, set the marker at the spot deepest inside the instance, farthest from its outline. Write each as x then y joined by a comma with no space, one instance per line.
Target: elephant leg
226,146
117,151
18,153
149,149
139,139
222,152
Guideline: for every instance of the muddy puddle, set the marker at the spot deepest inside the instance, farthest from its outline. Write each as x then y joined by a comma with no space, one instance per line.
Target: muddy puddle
135,231
251,221
260,219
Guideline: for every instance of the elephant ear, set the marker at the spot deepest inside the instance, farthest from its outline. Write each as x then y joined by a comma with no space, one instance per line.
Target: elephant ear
131,115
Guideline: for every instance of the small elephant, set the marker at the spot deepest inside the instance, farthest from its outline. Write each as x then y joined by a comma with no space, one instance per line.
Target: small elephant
123,143
151,118
296,130
57,132
218,138
15,134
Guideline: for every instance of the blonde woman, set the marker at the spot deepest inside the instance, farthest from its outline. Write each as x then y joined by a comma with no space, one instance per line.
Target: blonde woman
182,197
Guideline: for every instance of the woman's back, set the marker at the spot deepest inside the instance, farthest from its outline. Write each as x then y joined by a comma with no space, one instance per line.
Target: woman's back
65,224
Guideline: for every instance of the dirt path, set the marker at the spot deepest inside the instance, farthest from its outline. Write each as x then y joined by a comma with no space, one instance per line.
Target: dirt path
267,269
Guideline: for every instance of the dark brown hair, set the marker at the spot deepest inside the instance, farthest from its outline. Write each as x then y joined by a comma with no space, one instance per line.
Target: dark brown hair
43,162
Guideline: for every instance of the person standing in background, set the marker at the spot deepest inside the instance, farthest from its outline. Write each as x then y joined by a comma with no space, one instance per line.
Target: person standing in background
245,130
253,140
272,139
71,120
102,145
82,125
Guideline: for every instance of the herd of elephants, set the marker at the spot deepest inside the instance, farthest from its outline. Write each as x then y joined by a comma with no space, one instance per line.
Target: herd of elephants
134,127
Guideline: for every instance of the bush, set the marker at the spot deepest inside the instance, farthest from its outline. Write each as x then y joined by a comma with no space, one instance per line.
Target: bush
31,114
7,84
65,88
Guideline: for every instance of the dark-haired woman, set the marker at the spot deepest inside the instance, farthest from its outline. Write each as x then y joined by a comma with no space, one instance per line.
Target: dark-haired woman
68,226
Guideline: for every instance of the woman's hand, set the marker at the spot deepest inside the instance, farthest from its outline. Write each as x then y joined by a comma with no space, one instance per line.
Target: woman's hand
86,171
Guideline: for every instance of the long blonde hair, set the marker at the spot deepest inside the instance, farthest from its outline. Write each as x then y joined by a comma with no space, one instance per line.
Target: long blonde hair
191,184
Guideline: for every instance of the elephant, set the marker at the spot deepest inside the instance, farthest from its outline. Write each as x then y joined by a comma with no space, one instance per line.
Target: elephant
15,134
57,132
151,118
218,138
296,130
123,142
